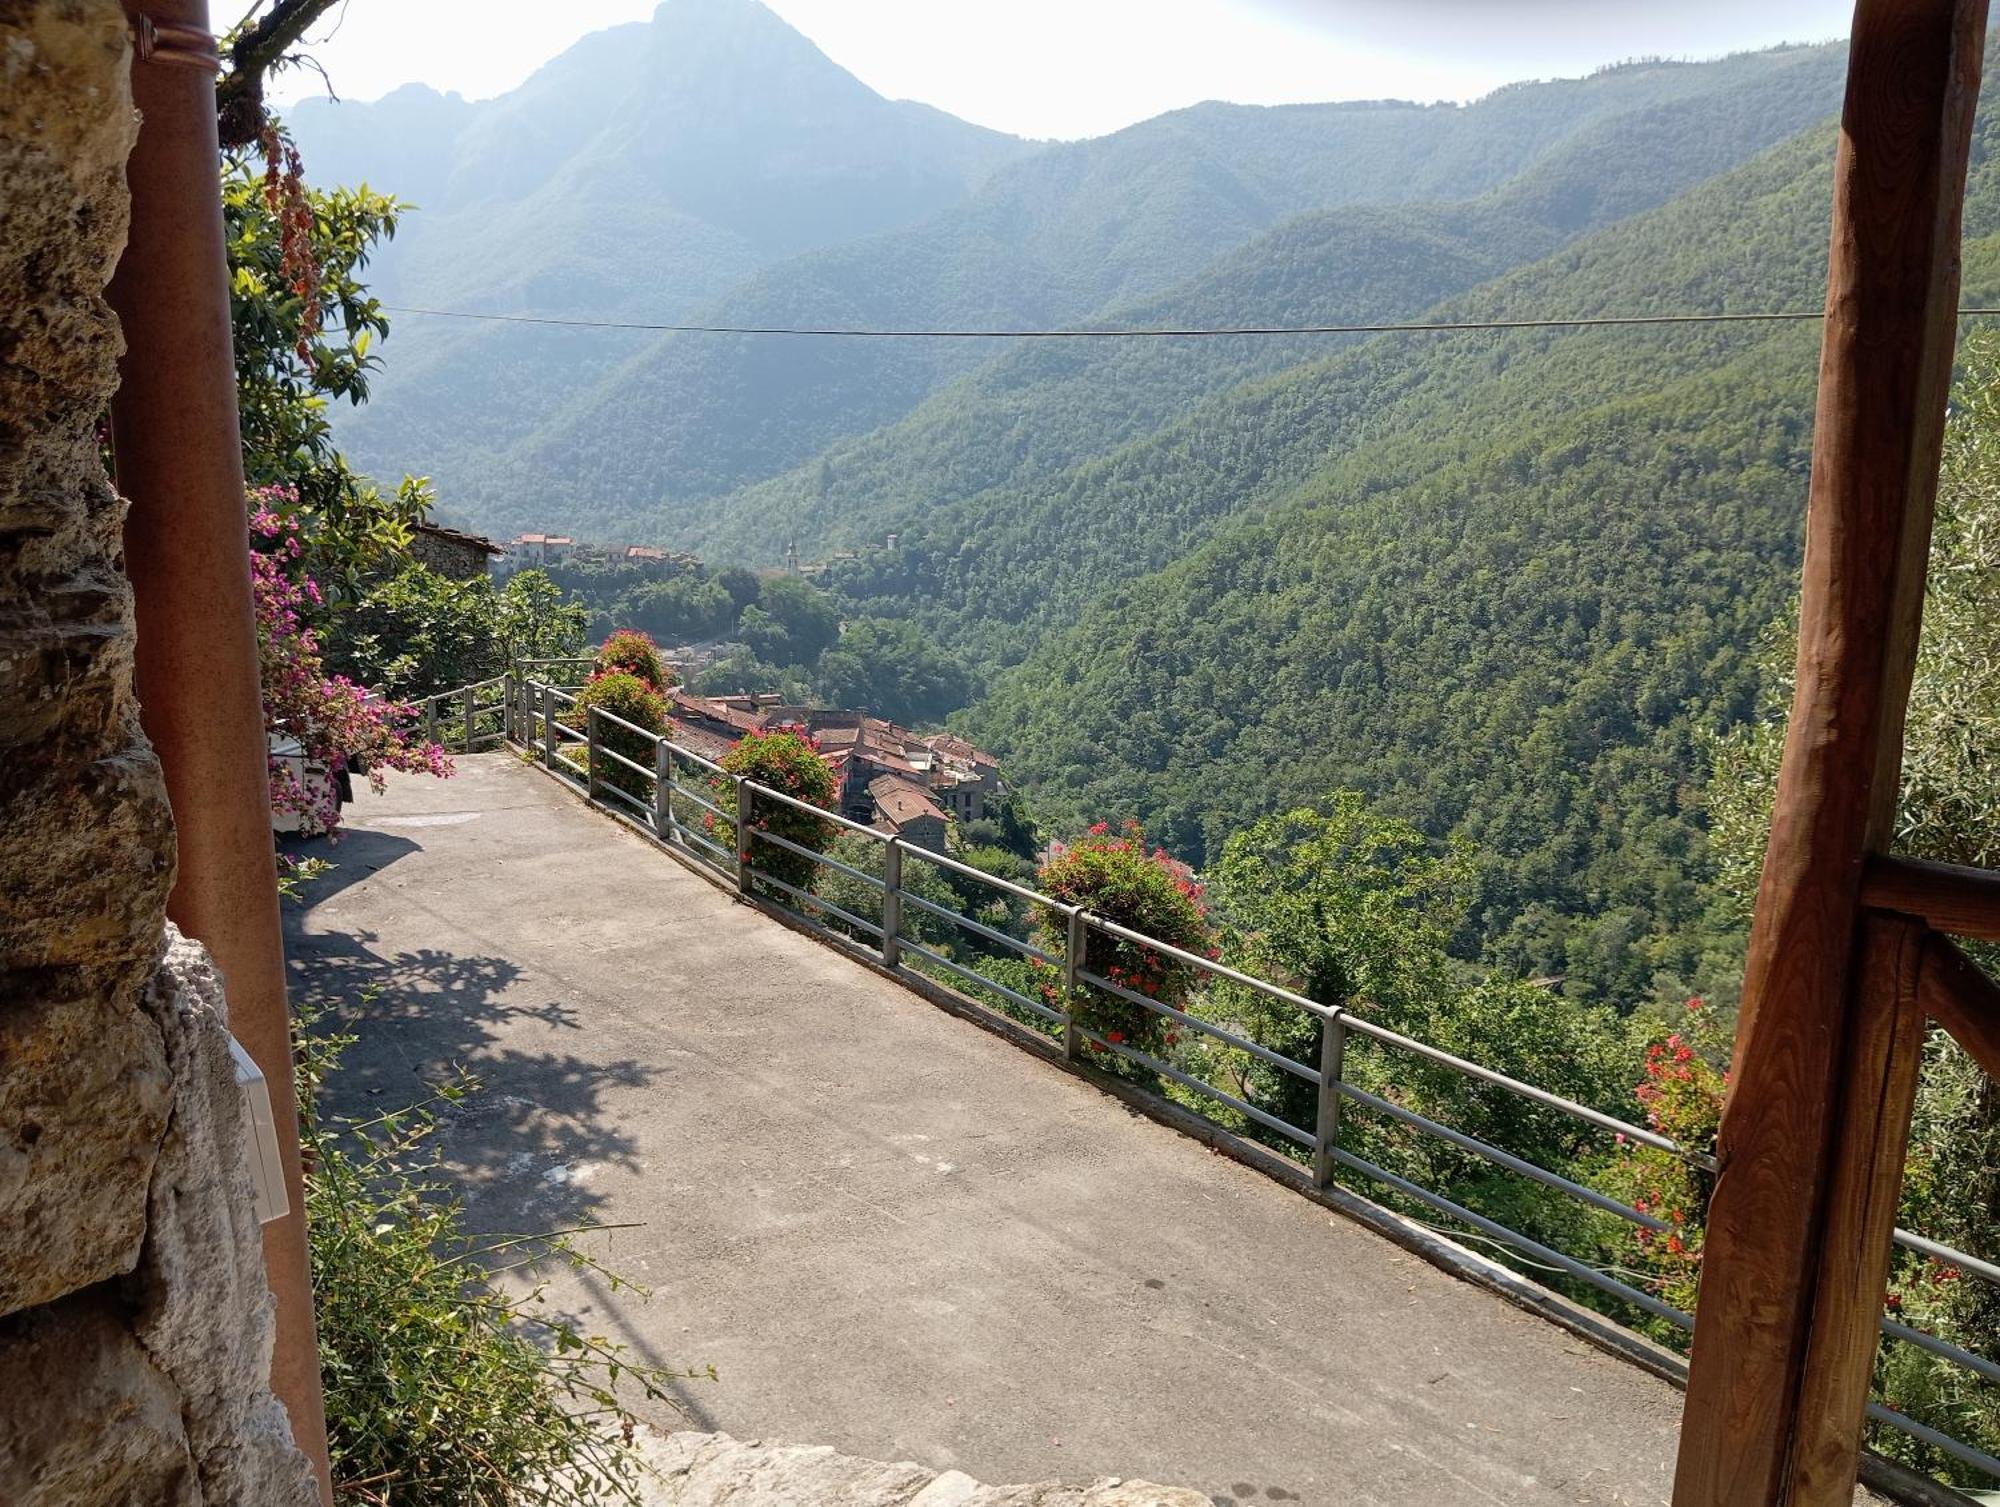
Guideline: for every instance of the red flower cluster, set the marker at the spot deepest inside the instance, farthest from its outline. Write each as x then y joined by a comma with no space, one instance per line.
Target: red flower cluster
630,652
1146,890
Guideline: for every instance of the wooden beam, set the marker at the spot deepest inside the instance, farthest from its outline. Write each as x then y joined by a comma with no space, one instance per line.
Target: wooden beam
1959,996
1877,1097
1885,367
187,551
1963,902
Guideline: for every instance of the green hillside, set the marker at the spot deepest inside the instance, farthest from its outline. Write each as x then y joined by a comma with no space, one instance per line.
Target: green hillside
1069,234
993,573
632,180
643,174
1040,410
1505,583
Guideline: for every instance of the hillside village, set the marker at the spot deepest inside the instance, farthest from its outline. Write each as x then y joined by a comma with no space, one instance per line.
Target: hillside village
912,785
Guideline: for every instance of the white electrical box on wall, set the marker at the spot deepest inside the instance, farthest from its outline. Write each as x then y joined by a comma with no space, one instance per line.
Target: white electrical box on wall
267,1168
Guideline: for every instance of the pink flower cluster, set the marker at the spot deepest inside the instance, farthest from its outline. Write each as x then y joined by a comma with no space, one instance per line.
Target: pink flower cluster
331,718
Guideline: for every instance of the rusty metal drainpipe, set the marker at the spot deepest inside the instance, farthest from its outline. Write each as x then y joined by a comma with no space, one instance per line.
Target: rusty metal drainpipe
180,462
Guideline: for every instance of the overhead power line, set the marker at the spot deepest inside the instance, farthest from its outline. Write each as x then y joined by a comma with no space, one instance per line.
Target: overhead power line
1429,327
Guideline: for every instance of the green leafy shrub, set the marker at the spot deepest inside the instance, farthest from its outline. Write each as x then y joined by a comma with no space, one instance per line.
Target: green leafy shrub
860,898
632,700
788,762
630,652
443,1388
1118,879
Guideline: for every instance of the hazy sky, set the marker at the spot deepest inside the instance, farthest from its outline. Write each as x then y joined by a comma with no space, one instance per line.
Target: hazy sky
1083,67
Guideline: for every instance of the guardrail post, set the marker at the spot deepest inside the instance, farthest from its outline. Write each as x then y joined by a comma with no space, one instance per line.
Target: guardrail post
664,824
590,753
892,904
510,708
1073,957
1332,1071
743,815
430,719
469,695
548,727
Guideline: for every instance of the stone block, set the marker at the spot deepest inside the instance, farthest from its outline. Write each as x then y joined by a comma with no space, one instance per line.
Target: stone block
203,1307
89,1420
84,1092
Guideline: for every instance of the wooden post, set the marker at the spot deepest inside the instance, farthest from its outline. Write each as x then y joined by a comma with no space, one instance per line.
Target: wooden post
187,550
1803,1048
1962,999
1886,1051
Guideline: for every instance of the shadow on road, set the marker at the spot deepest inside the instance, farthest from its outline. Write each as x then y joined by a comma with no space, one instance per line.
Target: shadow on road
523,1149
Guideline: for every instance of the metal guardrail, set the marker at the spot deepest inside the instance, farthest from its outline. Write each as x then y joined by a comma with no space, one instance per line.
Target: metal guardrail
472,717
680,782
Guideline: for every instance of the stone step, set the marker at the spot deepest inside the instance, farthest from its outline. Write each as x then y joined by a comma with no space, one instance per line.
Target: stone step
713,1470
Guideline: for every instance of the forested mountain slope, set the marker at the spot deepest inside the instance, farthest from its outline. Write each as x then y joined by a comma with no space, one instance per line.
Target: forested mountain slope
1043,408
1066,235
991,574
638,177
1506,583
643,174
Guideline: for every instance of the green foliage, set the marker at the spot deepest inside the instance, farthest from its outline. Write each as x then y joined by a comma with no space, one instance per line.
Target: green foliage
535,621
306,335
803,619
1343,903
744,671
1354,908
894,670
859,898
620,694
792,637
789,763
445,1384
686,609
1347,907
412,632
629,652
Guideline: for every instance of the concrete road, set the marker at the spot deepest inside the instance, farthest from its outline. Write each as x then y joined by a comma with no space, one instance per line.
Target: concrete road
892,1232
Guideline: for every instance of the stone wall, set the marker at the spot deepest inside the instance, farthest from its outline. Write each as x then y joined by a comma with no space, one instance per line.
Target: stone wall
135,1324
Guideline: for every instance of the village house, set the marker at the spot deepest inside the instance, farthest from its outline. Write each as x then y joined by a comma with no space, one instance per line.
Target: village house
528,550
904,810
452,553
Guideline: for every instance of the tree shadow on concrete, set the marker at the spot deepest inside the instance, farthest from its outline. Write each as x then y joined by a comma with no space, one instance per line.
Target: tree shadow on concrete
355,853
522,1149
